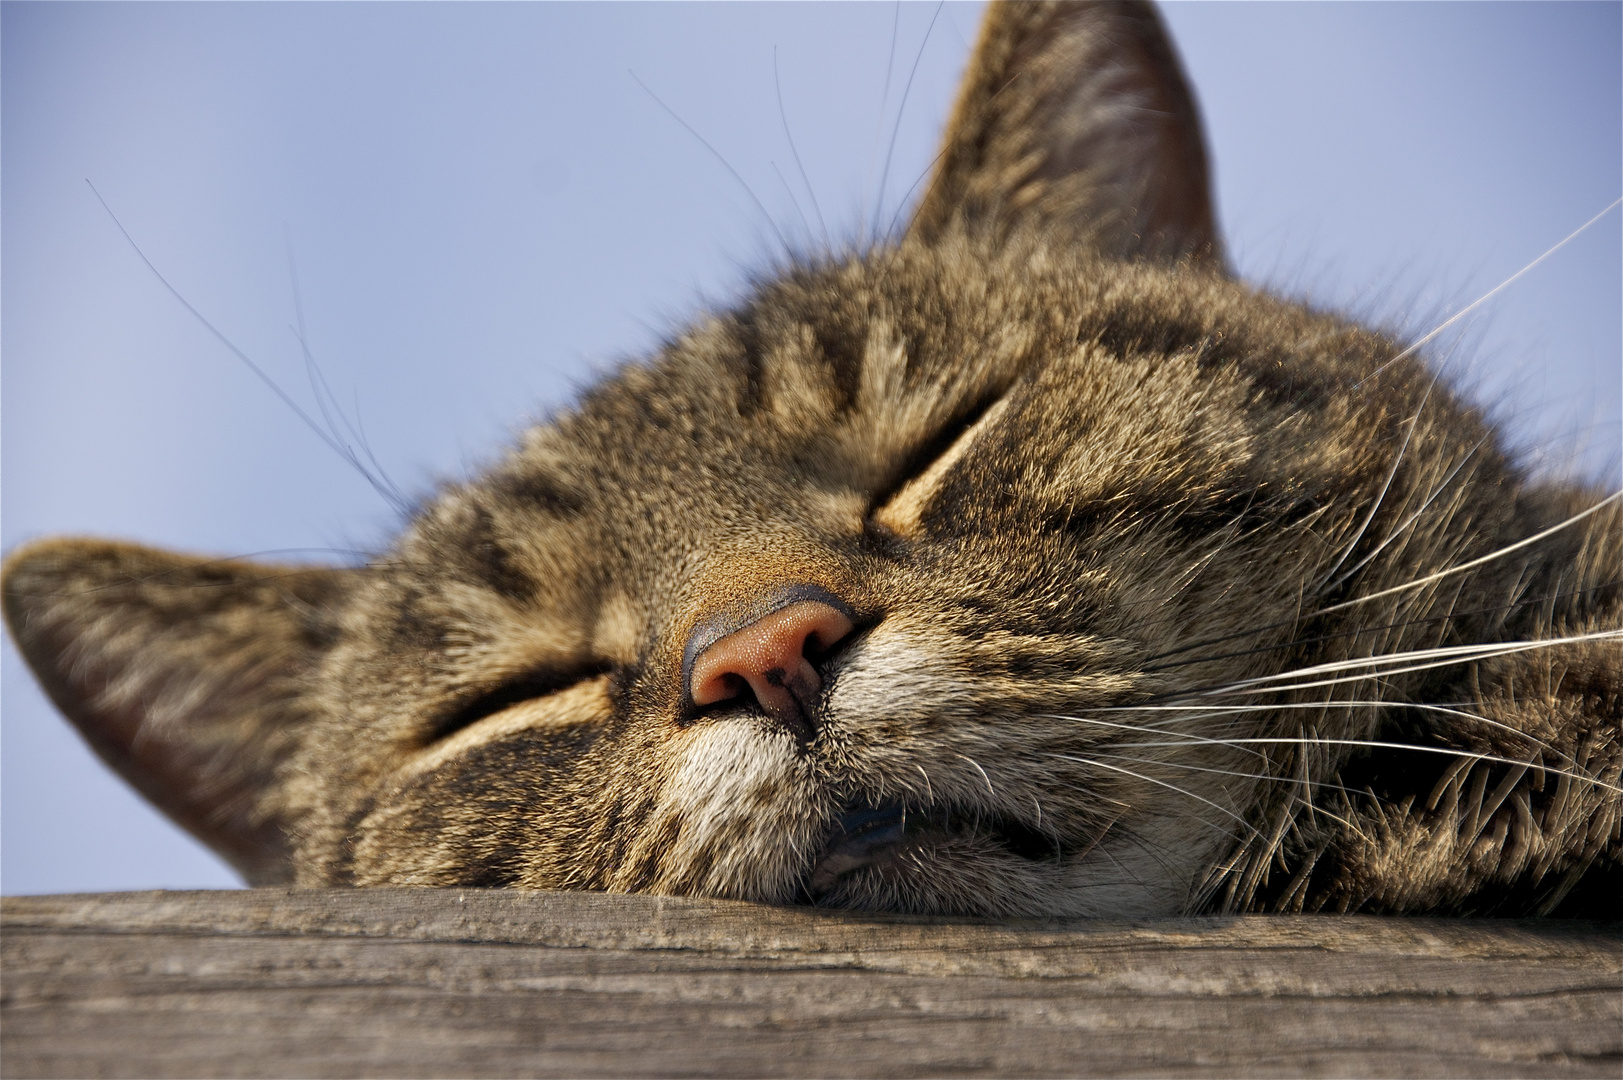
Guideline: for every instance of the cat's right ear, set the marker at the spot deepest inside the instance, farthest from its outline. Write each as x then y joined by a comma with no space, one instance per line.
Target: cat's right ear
185,675
1076,117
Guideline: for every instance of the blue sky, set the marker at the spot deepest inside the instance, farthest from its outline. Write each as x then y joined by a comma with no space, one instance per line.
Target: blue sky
483,208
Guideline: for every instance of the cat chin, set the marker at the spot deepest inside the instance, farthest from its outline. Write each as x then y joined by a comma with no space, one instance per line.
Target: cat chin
975,874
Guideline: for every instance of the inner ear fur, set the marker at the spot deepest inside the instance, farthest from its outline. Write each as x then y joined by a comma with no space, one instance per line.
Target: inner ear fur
185,675
1076,116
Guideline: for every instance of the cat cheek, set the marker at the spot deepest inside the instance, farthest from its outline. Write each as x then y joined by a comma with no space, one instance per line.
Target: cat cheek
475,820
899,677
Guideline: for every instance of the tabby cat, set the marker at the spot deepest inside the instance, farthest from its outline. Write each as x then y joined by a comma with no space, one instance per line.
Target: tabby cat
1029,565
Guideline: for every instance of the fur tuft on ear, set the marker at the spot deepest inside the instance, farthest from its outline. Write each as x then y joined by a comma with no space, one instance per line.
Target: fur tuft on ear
185,675
1075,116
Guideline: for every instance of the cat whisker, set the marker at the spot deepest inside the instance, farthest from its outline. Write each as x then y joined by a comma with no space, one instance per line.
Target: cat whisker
1490,294
1241,775
1407,522
929,793
789,191
896,130
383,489
828,243
1381,744
322,392
1161,783
1133,727
1356,632
1380,498
717,155
1574,519
1381,675
1200,712
1421,659
982,771
879,127
1305,800
359,433
1434,658
1462,567
901,207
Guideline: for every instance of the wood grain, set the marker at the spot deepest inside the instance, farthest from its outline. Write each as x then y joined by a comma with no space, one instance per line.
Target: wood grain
402,982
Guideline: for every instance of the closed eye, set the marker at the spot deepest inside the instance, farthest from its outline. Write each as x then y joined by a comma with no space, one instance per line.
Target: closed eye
899,505
528,687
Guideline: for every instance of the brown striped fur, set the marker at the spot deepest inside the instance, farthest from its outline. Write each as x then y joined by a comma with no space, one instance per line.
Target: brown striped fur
1074,482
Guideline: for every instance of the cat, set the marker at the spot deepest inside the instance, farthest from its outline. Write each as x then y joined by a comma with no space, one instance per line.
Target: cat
910,584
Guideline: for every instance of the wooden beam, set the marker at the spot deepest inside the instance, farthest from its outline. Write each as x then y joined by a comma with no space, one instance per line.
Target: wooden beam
405,982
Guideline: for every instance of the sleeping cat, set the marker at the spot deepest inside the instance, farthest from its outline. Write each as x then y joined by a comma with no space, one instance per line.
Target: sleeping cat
1029,565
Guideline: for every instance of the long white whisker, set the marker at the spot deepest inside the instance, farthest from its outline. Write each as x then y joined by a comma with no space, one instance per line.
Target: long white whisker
1247,776
1221,708
1171,787
1381,744
1133,727
1200,711
1535,538
1489,295
1410,520
1383,673
1453,653
1414,423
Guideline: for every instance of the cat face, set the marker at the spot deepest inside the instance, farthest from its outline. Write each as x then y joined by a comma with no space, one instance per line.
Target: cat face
970,537
964,495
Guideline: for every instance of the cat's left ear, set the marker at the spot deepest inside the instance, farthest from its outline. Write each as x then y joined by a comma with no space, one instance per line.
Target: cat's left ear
1075,117
185,675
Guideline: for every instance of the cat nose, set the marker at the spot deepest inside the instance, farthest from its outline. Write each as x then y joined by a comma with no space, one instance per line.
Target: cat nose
773,657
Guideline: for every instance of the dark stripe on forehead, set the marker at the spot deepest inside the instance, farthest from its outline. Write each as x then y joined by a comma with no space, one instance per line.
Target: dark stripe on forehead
843,346
535,490
747,363
415,627
492,562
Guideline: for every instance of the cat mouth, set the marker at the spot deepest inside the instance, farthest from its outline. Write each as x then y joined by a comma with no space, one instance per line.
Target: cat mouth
866,836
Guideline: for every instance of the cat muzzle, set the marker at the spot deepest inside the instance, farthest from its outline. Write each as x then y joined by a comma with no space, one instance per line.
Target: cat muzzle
868,836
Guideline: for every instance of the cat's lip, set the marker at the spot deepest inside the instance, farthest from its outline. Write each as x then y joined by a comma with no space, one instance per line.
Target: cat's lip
859,838
865,835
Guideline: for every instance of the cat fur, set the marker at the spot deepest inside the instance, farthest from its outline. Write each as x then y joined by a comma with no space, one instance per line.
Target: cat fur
1091,501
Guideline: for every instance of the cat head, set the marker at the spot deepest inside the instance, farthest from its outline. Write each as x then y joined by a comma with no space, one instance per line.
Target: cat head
831,599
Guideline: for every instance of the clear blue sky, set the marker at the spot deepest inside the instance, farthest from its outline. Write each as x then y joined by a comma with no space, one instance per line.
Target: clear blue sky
484,207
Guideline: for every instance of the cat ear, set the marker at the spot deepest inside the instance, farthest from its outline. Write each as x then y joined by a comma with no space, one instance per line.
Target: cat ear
184,675
1077,116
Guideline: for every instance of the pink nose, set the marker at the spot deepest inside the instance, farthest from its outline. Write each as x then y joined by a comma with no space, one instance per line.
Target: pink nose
772,658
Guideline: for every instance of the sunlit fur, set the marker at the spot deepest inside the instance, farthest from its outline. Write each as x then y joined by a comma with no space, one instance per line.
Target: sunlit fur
1155,578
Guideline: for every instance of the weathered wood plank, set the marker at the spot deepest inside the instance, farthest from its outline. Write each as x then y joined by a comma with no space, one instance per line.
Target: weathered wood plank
278,982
